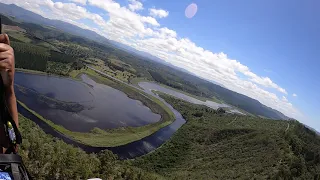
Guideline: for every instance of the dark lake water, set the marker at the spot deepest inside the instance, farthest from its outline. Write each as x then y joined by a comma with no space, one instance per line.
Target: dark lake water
127,151
99,105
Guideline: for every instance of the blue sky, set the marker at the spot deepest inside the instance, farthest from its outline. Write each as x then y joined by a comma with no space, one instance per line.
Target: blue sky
269,48
277,36
278,39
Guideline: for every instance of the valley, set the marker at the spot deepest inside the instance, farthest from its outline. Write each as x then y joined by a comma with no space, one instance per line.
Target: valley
89,108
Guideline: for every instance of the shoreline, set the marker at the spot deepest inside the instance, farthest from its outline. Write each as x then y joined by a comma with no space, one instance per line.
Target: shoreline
128,151
120,136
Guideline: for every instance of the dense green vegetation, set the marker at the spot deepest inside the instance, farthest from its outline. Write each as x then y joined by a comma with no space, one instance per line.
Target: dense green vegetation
49,158
58,68
112,67
212,145
61,57
30,56
120,66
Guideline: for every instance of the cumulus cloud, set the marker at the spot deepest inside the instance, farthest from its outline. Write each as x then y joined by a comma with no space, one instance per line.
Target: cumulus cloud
123,23
150,20
135,5
82,2
284,99
165,32
217,67
160,13
294,95
145,33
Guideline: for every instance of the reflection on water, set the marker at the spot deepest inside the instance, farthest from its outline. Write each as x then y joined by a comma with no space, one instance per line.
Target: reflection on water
152,86
105,107
126,151
148,86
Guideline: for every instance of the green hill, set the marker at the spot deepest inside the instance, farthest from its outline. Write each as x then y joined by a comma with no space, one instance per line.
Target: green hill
222,146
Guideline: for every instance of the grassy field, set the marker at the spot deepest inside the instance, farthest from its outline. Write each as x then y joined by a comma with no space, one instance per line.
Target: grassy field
109,138
19,36
137,80
71,45
48,46
30,71
220,146
58,68
125,75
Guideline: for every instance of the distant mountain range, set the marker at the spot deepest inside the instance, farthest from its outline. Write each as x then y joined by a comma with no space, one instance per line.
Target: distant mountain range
27,16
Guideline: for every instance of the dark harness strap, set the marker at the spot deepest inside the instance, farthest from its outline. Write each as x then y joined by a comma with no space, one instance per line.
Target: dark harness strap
14,161
5,115
15,171
10,158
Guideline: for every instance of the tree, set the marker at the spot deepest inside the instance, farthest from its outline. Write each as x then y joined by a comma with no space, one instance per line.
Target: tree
221,110
108,162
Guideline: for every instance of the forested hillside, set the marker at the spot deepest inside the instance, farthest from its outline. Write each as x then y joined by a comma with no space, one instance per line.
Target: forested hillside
82,48
49,158
223,146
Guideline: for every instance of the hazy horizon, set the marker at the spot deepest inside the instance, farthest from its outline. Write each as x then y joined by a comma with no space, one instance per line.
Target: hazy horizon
264,50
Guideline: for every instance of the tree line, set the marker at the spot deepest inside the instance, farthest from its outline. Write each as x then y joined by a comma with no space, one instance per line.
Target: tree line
47,157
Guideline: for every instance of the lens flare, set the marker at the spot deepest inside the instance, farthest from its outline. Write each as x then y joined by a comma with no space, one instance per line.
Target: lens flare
191,10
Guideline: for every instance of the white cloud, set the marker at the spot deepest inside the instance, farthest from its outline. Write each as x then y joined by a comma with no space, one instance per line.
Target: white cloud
150,20
123,22
82,2
217,67
135,5
284,99
144,33
294,95
167,32
160,13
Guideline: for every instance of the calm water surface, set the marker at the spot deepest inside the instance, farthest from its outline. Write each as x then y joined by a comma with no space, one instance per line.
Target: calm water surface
46,85
104,107
152,86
